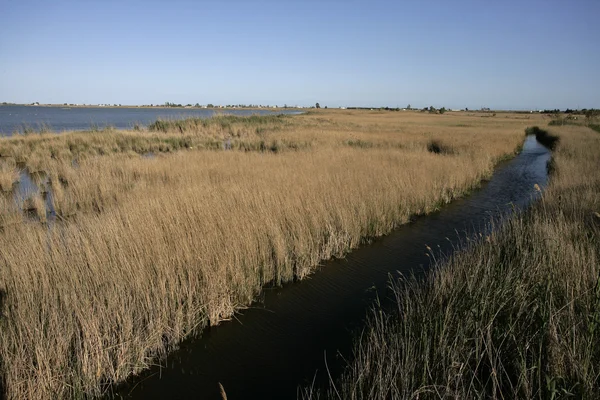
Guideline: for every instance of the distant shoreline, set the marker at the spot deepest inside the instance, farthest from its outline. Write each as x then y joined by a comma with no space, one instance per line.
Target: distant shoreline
300,108
150,107
16,119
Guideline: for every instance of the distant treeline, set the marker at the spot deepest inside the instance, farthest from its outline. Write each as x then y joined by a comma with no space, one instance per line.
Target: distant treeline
210,105
583,111
375,108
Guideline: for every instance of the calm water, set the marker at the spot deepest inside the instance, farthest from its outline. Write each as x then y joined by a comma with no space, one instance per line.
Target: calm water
16,118
283,340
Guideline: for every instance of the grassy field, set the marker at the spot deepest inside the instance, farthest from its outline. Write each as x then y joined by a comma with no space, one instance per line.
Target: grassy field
162,231
514,315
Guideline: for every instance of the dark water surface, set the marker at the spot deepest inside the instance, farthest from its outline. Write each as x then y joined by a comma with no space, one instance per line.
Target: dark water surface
17,118
280,342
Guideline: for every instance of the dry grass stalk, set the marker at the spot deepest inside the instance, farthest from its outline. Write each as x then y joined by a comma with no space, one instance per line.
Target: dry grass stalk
222,392
9,175
10,214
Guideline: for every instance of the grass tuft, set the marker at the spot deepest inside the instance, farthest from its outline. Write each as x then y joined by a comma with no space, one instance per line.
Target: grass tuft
9,175
437,147
35,204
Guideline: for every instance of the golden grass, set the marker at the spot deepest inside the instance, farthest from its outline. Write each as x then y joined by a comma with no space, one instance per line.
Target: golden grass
36,151
9,174
516,315
10,212
151,250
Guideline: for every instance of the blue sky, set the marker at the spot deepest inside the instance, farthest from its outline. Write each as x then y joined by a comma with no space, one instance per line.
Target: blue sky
508,54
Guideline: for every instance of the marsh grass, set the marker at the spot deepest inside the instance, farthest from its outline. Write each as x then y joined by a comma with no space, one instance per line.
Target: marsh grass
363,144
11,213
39,129
9,175
253,133
225,123
512,315
35,204
437,147
149,251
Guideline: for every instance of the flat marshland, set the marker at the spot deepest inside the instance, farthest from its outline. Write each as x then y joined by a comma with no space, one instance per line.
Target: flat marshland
154,234
515,314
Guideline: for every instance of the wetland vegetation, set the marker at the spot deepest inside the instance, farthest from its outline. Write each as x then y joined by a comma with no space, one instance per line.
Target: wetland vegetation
143,252
513,314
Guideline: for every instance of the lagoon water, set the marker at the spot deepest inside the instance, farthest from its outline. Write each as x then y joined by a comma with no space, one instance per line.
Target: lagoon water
15,118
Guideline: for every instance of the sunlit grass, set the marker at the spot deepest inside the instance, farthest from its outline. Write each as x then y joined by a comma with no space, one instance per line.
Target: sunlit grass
9,175
149,250
515,314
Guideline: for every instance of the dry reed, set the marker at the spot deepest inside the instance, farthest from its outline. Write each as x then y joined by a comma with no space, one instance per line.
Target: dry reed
151,250
514,315
35,204
9,174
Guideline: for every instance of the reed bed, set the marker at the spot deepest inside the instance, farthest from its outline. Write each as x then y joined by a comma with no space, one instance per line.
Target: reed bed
515,314
9,174
34,204
163,136
11,212
148,251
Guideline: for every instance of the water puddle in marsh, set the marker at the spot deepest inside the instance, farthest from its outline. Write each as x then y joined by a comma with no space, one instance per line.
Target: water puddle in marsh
279,343
30,186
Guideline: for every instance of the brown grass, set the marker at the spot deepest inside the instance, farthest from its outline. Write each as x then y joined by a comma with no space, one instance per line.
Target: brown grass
517,315
150,250
246,133
11,213
9,174
35,204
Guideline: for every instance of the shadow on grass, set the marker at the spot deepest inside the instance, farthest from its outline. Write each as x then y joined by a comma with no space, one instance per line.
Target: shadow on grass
542,136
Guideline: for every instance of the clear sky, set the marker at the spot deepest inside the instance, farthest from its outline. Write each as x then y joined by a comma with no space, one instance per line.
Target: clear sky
498,54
